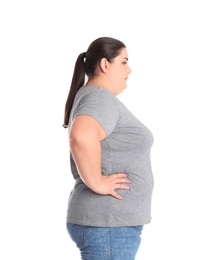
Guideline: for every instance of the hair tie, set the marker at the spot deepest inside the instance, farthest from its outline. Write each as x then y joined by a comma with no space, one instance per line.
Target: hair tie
84,54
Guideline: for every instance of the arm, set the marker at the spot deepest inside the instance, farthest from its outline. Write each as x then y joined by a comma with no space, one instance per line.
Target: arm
85,136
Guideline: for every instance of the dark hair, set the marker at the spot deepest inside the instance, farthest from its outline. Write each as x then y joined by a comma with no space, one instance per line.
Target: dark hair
86,64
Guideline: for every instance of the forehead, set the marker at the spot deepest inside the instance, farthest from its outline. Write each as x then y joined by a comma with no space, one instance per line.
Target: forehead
123,54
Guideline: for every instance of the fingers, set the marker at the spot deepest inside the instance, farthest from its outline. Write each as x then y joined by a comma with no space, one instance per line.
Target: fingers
120,180
122,186
113,182
121,177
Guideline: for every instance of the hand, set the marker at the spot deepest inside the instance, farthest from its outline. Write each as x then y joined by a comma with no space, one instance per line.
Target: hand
110,183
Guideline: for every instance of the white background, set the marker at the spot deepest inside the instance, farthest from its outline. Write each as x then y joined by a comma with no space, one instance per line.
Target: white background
175,57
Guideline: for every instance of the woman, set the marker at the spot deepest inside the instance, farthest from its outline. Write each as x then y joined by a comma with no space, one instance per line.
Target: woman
110,157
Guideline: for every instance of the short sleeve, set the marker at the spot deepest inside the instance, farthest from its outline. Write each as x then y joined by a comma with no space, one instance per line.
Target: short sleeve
101,105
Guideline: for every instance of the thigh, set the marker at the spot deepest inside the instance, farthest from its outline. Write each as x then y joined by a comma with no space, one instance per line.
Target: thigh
125,242
93,242
116,243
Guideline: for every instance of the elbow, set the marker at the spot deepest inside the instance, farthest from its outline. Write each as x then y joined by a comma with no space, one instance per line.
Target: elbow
76,139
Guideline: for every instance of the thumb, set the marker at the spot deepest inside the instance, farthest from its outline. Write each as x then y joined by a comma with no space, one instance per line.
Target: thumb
116,195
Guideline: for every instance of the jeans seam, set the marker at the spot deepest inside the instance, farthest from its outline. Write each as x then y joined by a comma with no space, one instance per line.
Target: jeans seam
110,244
83,238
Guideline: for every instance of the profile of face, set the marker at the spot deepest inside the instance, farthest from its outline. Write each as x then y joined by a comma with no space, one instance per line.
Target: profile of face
119,70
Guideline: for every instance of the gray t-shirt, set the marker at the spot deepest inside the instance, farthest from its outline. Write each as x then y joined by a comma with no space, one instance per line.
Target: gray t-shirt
126,148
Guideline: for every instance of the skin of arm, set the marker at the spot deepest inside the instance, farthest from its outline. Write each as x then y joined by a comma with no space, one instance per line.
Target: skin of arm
85,136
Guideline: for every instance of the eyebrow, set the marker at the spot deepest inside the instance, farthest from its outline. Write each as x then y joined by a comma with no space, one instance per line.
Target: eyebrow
125,58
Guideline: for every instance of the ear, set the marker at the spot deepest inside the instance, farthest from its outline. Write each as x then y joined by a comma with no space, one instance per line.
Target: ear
104,65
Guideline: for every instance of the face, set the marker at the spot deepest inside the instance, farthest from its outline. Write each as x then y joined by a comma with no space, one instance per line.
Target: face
119,71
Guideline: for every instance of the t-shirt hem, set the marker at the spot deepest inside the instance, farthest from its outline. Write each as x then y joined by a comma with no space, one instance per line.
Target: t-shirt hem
96,224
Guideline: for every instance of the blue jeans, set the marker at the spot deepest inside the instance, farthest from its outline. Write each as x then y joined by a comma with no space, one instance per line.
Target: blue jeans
101,243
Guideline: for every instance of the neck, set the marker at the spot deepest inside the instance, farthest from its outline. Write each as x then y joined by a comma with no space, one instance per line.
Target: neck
98,83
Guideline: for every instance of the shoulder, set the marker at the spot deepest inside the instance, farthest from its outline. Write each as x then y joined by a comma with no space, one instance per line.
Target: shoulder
96,97
99,103
95,92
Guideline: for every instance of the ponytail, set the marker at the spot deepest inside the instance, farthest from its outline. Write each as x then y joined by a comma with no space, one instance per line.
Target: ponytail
77,82
101,47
